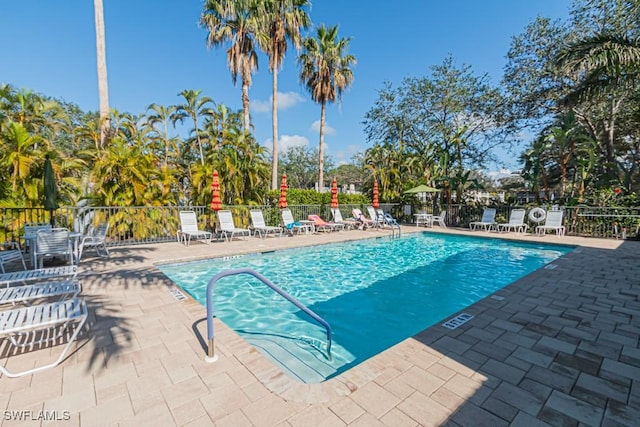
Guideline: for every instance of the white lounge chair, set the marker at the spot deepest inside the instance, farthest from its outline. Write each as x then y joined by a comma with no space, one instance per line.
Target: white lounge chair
41,324
373,216
189,229
363,220
290,224
54,242
41,274
260,227
488,221
516,222
27,293
228,228
96,238
337,219
553,222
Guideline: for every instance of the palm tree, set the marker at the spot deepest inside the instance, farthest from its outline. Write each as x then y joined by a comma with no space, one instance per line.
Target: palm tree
325,70
194,108
159,114
604,61
103,87
234,21
280,20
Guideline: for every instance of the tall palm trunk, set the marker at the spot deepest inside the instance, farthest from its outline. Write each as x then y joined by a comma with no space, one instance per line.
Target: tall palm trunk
103,87
274,123
245,106
323,110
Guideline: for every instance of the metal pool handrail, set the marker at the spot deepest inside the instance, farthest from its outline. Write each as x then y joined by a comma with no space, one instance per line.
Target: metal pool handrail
211,356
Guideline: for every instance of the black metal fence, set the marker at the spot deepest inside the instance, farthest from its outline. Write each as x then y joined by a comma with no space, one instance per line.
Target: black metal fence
151,224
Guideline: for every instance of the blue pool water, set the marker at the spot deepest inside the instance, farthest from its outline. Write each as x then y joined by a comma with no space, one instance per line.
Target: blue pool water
374,293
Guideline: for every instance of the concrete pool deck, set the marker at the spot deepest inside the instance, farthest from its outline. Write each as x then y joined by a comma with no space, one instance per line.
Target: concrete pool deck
559,347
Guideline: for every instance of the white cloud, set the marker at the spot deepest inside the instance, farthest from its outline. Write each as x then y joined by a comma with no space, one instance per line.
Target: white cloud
328,130
286,142
286,100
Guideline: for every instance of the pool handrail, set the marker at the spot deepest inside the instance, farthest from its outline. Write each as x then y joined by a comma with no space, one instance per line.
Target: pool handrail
211,356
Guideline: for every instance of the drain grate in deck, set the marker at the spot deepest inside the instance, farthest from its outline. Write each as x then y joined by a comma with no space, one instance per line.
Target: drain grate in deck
460,319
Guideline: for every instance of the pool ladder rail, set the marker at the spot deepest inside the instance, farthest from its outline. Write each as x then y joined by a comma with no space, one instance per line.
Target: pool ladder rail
211,356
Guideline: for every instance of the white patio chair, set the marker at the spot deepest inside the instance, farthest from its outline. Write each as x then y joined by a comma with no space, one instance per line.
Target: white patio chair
553,222
41,324
260,227
516,222
189,229
54,242
9,255
439,219
228,228
488,221
95,239
423,218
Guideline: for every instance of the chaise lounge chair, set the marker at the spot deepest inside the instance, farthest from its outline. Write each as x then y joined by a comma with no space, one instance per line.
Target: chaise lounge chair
322,225
553,222
189,229
290,224
337,219
37,325
516,222
363,220
28,293
488,221
228,228
259,226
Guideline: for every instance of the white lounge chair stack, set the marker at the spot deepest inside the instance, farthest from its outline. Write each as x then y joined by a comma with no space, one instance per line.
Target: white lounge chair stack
488,221
40,311
228,228
516,222
189,229
260,227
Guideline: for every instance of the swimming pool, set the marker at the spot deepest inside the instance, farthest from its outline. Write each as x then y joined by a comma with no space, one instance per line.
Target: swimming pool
374,293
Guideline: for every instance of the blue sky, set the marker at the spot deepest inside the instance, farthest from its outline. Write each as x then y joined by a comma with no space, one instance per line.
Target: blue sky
155,49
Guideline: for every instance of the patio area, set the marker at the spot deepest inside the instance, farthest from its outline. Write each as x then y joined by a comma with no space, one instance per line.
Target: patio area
558,347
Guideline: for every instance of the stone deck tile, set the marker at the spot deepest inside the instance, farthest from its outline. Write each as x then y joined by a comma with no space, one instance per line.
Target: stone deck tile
579,315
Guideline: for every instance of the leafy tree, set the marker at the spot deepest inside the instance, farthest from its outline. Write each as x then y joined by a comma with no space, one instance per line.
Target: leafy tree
194,108
326,72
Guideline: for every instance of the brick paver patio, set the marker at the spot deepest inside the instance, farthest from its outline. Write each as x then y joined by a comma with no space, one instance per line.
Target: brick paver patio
558,347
